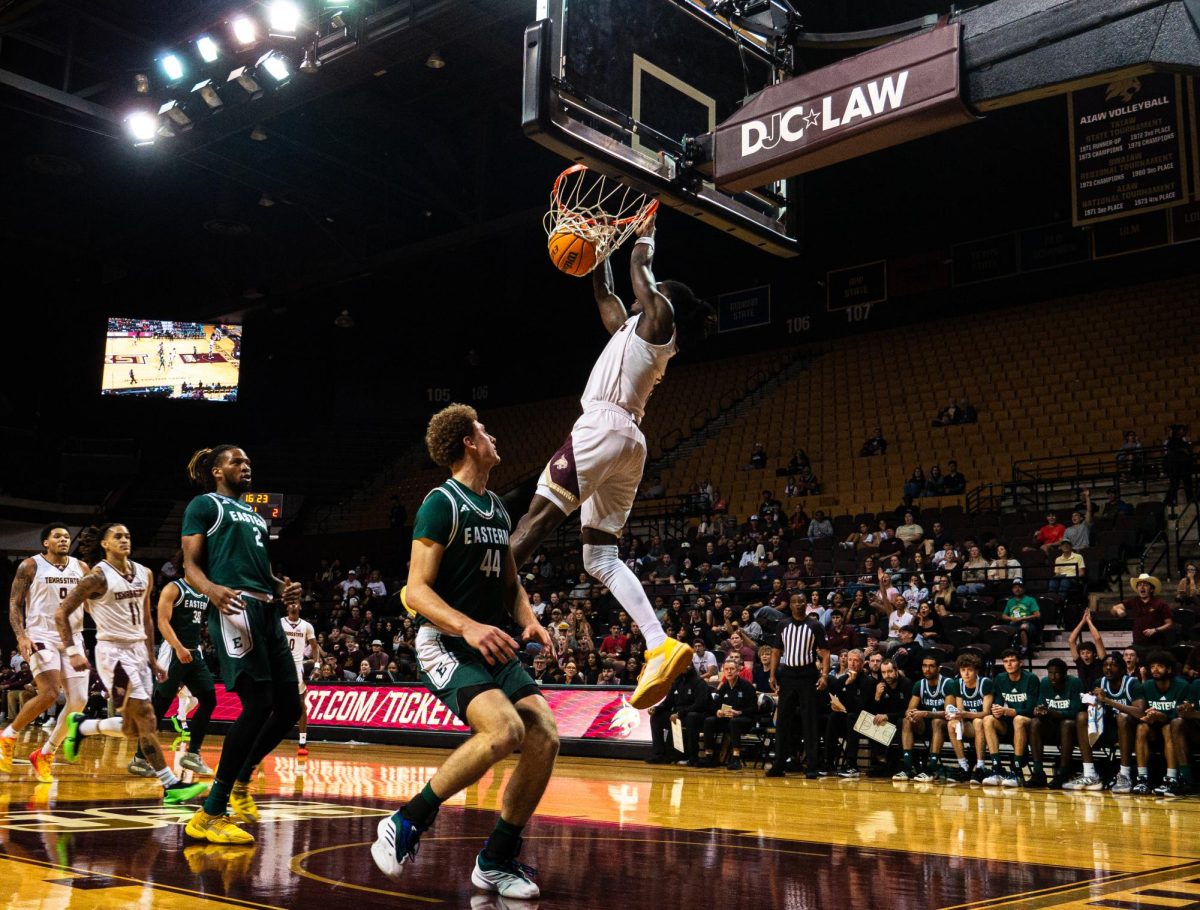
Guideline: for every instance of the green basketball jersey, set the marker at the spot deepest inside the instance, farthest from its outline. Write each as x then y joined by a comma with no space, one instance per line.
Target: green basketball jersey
1022,696
474,531
1068,701
972,699
1125,692
932,695
235,545
1166,702
188,614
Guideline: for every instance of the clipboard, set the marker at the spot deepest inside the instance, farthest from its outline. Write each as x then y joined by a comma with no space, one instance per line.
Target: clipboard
882,733
677,735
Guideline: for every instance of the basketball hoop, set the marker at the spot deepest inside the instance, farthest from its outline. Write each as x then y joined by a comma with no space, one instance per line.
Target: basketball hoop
596,208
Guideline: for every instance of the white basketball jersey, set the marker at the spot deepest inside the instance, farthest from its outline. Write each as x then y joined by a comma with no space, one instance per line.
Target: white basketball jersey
49,588
298,634
627,370
118,611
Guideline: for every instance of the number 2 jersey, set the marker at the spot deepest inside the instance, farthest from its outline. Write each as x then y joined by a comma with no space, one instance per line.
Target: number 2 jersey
49,588
474,531
118,611
235,547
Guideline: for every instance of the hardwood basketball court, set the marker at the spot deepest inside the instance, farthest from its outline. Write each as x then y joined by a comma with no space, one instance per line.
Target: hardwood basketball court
607,831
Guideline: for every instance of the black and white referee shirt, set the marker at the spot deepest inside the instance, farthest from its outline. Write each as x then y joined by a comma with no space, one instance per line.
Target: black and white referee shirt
798,643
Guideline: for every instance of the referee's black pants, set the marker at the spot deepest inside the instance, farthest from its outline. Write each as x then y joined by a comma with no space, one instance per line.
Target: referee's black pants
797,715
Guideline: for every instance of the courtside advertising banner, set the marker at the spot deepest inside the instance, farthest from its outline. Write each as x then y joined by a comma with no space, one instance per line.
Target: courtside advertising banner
585,713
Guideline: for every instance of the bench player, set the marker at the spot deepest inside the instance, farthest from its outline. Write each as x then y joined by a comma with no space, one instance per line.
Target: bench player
600,465
117,593
42,583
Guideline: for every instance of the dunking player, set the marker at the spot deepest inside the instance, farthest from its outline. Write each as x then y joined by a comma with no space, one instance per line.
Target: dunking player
181,612
117,593
225,559
600,465
462,585
41,584
300,634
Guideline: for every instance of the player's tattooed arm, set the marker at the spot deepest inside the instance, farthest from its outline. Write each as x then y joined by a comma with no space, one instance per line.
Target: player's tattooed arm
91,585
658,319
612,310
16,606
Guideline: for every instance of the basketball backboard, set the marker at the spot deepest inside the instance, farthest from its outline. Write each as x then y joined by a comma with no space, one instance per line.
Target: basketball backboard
623,85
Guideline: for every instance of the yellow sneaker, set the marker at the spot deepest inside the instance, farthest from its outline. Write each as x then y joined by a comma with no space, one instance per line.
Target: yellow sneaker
41,766
8,745
216,829
242,803
664,665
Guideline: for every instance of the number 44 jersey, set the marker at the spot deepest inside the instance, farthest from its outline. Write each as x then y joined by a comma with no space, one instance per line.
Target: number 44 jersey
474,531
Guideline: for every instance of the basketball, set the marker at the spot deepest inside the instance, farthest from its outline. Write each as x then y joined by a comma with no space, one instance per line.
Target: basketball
571,253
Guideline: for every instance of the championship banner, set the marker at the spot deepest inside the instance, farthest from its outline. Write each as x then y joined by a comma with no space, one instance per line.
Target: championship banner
1127,147
854,286
744,309
585,713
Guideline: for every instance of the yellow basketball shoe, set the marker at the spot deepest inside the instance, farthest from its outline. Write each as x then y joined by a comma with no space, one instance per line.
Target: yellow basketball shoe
8,745
216,829
242,803
664,665
42,765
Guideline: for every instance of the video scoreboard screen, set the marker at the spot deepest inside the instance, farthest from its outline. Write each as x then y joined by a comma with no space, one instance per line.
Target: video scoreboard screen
161,358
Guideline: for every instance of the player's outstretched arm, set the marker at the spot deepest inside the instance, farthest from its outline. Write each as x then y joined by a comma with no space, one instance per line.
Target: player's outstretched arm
612,310
658,319
16,606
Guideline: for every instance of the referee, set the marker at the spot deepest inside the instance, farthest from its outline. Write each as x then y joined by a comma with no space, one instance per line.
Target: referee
799,670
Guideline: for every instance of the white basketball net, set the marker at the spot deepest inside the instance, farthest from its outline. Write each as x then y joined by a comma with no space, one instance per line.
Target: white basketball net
596,208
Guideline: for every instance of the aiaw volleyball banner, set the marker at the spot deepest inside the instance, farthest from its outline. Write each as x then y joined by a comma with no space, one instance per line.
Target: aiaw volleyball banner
585,713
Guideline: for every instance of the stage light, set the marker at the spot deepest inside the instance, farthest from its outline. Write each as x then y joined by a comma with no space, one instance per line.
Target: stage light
284,18
173,67
141,83
208,49
311,62
142,126
207,91
276,66
258,134
245,30
243,77
176,114
434,61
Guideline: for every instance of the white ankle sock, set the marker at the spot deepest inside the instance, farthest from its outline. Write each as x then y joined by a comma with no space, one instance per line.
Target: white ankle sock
1126,771
964,764
603,564
167,776
303,738
1089,769
110,726
9,732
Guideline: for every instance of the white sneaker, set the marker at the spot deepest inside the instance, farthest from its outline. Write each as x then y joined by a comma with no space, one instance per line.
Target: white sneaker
1084,782
511,879
1123,784
995,779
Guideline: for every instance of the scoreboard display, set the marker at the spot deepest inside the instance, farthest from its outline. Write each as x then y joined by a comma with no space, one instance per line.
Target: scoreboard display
268,505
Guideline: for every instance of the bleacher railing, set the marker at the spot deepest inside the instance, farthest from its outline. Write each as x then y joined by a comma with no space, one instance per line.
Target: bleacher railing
1049,482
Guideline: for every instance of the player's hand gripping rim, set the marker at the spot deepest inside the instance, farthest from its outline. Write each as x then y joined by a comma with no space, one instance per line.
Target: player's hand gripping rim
496,645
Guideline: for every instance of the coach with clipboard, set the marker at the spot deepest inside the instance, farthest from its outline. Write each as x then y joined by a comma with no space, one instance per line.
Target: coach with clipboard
799,670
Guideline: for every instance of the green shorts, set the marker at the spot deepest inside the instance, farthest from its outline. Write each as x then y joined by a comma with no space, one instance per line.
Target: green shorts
196,675
455,672
251,643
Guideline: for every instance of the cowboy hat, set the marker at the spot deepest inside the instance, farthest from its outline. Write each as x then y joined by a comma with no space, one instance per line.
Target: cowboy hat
1154,582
